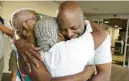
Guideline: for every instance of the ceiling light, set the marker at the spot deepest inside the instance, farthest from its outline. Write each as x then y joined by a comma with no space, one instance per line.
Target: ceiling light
120,28
116,26
106,22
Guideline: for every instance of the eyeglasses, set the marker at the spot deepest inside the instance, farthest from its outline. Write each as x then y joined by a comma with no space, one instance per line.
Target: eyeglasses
33,18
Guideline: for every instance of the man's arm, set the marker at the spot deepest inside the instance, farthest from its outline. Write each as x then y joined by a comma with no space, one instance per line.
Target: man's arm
103,72
99,34
102,59
82,76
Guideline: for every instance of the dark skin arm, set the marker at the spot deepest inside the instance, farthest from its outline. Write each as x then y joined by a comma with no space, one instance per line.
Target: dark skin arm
26,48
36,74
6,30
82,76
41,73
99,34
103,70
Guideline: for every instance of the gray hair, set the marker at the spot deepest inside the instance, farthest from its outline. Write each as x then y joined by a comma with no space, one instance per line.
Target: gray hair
46,32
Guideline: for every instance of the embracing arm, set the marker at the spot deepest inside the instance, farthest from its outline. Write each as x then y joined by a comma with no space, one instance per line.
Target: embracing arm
103,72
82,76
6,30
99,34
42,74
104,66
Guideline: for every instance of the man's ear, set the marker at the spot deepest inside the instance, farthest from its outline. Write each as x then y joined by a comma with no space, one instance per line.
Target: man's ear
25,26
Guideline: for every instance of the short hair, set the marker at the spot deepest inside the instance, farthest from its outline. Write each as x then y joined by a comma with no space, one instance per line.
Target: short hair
46,32
16,20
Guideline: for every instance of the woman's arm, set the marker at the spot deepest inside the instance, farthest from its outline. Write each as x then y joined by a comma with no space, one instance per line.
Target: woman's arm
6,30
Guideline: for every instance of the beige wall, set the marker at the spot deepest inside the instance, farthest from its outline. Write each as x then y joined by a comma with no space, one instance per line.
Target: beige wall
45,7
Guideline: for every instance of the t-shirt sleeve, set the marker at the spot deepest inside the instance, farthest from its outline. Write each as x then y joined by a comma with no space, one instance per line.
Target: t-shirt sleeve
103,52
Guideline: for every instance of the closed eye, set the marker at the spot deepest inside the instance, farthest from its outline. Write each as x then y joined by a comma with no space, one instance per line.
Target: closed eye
74,27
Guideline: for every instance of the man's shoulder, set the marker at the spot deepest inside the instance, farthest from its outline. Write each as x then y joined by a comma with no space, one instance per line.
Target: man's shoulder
103,52
88,26
106,43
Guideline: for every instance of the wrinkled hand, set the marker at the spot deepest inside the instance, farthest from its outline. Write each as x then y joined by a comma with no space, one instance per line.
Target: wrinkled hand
27,51
36,74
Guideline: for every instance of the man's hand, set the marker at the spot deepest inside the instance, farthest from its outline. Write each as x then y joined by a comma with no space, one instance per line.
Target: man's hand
89,70
28,49
103,72
87,73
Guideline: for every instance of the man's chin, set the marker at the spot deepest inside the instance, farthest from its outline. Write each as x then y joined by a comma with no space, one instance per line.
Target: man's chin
74,37
67,38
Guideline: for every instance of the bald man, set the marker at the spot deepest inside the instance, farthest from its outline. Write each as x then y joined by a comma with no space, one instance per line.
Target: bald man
72,25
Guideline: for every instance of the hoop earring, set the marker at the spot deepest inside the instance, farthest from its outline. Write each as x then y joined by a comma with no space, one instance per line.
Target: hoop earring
26,33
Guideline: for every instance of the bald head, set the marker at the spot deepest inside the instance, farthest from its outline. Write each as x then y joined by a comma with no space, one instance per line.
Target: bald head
21,16
69,7
70,19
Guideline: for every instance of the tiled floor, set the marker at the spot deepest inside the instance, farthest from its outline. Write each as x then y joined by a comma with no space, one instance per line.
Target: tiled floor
119,73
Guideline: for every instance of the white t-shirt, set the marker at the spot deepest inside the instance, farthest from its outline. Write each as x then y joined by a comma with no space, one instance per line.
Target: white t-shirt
1,44
69,57
103,52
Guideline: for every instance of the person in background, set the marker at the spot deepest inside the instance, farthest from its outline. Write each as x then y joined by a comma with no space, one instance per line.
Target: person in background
13,65
1,49
13,57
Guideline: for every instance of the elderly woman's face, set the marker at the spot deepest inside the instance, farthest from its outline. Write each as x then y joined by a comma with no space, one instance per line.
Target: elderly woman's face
31,21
